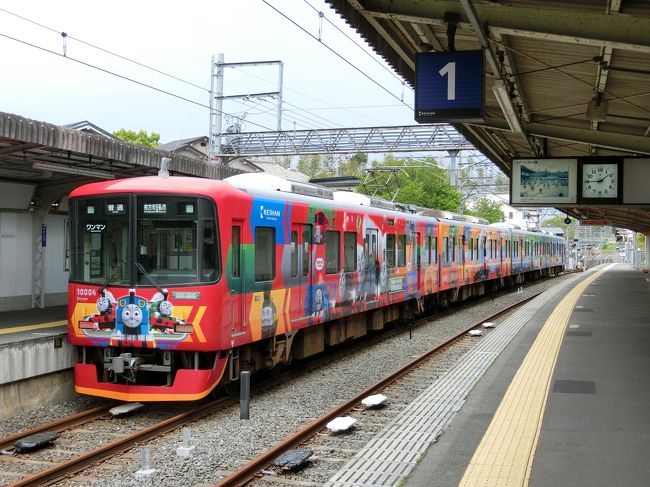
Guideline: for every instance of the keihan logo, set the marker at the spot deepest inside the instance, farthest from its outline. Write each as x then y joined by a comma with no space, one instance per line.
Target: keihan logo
265,212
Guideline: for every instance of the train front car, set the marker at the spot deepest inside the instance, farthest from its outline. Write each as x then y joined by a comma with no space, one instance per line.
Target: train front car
143,291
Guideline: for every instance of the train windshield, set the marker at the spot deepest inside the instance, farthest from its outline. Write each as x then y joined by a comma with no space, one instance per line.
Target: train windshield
174,238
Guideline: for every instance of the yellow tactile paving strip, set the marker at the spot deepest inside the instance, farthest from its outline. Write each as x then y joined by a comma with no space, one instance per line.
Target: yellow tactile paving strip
17,329
505,455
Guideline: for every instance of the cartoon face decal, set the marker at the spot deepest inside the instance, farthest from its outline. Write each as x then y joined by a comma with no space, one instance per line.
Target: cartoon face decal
318,300
361,265
165,308
132,316
103,304
383,275
267,317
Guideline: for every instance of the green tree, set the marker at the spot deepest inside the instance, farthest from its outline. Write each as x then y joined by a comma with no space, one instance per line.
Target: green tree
488,209
138,138
354,165
417,182
558,222
311,165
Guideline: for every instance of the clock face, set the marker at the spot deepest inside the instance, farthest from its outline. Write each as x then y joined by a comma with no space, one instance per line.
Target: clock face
600,180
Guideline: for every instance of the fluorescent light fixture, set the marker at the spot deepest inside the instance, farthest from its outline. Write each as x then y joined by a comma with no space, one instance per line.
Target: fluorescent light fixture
78,171
505,102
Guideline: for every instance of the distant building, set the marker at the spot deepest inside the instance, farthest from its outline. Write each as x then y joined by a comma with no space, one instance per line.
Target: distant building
195,147
86,126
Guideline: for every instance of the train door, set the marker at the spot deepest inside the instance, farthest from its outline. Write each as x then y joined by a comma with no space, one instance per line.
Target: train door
300,274
372,262
236,280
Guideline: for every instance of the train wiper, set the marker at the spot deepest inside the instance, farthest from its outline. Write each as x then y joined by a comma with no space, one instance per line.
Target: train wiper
108,281
144,272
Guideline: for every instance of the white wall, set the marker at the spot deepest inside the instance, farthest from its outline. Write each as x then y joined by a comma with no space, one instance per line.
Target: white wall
56,278
15,254
16,243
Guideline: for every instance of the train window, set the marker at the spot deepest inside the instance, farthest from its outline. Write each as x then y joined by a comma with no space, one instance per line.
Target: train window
390,250
306,242
445,249
235,269
264,253
401,250
332,251
453,249
209,252
470,248
427,250
434,248
294,253
350,251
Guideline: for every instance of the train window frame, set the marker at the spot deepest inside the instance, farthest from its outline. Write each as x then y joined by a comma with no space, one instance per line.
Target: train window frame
294,254
267,272
332,251
235,259
401,251
349,251
435,250
390,251
306,242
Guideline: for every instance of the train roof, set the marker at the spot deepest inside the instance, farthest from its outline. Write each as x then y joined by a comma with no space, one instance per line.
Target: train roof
145,184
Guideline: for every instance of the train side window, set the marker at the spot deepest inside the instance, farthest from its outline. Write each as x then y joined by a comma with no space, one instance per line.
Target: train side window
434,248
401,250
294,254
470,248
427,250
264,254
390,250
235,270
306,242
350,251
445,247
453,249
332,251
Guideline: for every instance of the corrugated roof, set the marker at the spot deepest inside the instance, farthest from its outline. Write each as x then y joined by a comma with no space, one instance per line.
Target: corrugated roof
280,171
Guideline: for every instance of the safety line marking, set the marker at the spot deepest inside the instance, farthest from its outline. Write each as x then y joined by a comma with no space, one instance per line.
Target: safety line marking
505,455
17,329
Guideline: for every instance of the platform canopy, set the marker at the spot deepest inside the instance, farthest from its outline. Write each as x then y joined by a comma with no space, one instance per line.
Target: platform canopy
572,76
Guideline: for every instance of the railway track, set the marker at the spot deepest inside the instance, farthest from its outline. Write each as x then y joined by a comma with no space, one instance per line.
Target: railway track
259,471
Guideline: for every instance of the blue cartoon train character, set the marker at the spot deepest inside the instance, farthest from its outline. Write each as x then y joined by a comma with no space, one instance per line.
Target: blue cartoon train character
132,317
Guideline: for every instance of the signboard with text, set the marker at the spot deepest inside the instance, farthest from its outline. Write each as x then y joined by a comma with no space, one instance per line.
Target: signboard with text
449,86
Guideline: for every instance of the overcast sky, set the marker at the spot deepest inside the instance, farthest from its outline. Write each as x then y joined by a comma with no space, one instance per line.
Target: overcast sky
179,38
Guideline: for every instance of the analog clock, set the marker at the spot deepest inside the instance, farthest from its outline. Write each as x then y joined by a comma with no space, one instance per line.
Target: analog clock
600,180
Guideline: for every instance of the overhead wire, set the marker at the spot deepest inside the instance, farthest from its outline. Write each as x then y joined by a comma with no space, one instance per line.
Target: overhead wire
337,54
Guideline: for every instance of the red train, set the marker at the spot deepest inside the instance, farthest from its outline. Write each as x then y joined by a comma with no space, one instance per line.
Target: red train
177,284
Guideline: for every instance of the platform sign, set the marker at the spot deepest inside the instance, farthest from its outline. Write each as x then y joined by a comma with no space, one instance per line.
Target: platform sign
449,86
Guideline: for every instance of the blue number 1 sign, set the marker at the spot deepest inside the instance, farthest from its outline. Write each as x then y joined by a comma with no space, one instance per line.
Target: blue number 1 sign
449,86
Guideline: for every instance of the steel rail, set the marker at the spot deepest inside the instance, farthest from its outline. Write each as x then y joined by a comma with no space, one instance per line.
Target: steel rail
57,425
122,444
251,470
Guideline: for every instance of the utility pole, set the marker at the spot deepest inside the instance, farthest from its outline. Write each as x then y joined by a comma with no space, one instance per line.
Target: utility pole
217,97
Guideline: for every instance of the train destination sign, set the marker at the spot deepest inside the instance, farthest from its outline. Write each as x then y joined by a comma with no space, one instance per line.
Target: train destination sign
449,86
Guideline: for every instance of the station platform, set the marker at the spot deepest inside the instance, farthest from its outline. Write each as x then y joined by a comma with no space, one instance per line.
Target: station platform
35,359
557,394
